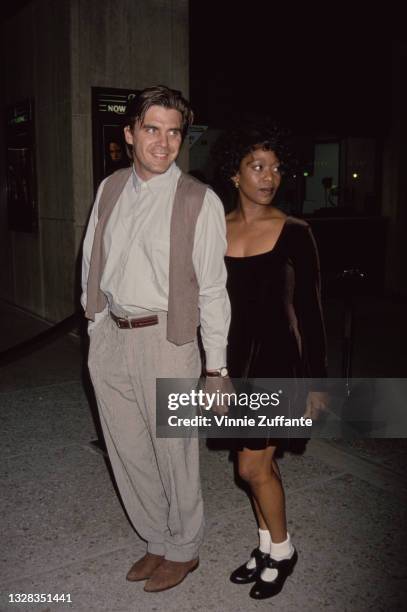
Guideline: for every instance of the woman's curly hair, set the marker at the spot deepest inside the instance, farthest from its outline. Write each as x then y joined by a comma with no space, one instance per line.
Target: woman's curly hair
233,145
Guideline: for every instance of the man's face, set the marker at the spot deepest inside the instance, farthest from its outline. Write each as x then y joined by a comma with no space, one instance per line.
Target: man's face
156,141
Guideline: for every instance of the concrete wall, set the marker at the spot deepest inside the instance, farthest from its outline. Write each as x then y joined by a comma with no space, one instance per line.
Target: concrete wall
55,52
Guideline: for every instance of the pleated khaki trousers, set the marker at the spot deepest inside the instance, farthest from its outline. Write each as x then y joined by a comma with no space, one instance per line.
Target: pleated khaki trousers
158,478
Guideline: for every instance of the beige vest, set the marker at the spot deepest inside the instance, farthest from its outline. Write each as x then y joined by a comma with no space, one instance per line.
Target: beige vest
183,312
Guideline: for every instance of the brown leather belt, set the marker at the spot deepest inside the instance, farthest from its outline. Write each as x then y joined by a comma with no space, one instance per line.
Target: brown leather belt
124,323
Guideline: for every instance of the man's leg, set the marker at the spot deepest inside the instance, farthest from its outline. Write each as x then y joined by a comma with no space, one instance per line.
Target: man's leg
178,459
127,435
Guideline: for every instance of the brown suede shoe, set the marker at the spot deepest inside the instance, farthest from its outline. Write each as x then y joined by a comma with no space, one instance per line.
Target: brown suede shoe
144,567
168,574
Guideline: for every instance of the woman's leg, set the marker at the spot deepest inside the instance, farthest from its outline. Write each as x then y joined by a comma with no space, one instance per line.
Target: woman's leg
260,470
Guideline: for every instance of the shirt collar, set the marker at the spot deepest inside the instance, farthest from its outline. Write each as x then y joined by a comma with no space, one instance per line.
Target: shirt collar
157,182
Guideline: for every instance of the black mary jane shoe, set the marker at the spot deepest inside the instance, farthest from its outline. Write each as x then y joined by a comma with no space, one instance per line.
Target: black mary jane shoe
263,589
243,575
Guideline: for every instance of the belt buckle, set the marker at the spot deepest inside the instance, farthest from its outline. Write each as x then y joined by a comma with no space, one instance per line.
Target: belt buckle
124,323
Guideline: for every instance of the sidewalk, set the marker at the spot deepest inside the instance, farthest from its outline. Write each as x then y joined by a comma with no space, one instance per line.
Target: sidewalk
64,530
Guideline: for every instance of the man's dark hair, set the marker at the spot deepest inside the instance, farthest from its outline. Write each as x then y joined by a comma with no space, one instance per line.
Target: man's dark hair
233,145
159,96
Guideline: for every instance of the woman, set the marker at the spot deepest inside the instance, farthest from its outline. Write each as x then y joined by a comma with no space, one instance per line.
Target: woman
276,329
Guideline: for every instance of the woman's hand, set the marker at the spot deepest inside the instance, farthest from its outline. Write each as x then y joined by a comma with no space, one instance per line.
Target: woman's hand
316,404
215,387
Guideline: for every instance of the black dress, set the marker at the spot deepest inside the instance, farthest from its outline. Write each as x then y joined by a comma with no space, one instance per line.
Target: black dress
276,328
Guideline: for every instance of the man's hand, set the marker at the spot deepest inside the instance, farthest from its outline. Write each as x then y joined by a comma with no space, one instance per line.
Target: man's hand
215,386
316,404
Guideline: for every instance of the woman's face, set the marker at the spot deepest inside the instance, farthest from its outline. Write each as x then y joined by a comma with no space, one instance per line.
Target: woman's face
258,177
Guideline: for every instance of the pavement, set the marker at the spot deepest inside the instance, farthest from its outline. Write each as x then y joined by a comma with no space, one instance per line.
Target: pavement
64,531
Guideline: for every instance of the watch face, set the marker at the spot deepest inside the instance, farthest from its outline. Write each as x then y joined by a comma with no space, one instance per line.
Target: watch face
223,371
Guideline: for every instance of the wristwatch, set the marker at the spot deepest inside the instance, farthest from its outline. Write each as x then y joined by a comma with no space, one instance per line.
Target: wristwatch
223,372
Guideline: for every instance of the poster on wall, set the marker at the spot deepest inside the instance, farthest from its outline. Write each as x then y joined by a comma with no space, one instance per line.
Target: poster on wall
108,111
22,204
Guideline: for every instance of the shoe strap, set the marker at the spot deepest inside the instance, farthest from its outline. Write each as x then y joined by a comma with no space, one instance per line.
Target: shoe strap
274,564
259,556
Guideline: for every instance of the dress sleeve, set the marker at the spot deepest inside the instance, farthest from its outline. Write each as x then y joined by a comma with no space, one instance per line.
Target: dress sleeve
307,303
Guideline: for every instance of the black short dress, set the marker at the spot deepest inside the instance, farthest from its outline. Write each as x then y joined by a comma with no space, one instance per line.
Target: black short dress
276,327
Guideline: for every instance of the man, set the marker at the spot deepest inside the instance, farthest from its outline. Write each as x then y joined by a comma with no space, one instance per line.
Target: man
152,271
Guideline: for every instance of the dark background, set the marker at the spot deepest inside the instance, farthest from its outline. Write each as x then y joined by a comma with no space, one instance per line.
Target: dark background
323,70
318,70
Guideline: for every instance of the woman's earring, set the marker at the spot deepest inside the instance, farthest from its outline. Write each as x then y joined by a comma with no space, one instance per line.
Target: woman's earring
236,184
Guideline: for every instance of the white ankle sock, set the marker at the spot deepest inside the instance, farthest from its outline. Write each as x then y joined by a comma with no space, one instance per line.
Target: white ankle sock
264,540
282,550
279,551
264,545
